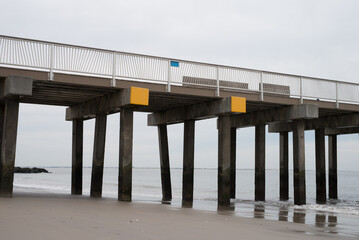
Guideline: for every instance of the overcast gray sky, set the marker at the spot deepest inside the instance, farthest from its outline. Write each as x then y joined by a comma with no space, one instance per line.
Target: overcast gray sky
315,38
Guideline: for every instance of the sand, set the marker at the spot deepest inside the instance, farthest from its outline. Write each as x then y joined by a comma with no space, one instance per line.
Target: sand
29,216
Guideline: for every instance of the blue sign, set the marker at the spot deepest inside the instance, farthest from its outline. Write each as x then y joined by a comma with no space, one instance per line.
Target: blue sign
174,64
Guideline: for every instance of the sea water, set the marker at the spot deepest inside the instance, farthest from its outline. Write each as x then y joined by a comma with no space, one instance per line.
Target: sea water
337,216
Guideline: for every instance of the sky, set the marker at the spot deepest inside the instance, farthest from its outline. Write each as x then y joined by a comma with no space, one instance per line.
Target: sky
304,37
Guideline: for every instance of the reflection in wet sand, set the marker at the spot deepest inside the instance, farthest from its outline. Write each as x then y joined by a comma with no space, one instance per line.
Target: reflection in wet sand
320,219
259,211
283,214
299,216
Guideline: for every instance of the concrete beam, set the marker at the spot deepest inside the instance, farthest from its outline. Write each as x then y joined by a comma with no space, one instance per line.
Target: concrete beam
198,111
337,121
109,103
15,86
341,131
303,111
77,157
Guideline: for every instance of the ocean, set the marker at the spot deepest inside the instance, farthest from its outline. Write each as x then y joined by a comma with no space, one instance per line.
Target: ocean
340,217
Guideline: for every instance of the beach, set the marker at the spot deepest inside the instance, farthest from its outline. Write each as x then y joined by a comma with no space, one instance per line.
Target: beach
59,216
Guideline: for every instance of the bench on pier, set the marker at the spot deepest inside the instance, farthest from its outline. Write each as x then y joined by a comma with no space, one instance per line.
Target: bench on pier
205,83
275,88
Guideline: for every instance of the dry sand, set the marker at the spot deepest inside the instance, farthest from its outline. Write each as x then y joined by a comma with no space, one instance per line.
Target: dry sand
50,217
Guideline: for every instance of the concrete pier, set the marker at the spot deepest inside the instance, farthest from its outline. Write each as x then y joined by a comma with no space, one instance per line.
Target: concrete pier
299,163
283,166
321,184
77,157
9,113
224,160
233,162
125,161
165,163
333,179
98,155
259,191
188,162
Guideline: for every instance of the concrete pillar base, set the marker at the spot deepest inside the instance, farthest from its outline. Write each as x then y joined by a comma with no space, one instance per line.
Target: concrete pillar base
165,164
77,157
188,163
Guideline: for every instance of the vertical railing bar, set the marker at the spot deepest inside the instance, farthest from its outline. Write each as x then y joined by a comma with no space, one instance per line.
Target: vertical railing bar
301,90
169,77
114,70
51,74
336,95
217,93
262,90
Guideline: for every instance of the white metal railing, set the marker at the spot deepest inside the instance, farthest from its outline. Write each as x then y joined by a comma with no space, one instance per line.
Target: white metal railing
55,57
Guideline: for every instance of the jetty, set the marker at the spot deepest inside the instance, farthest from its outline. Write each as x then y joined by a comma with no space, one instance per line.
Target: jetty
93,83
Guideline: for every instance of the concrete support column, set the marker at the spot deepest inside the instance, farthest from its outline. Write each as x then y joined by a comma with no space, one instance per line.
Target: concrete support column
283,166
224,160
77,156
165,163
299,162
321,183
188,163
9,113
233,162
125,161
333,179
98,156
260,180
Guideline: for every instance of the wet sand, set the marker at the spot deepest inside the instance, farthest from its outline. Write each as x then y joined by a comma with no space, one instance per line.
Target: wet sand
49,216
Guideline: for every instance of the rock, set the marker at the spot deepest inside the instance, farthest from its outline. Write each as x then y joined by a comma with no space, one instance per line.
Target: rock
30,170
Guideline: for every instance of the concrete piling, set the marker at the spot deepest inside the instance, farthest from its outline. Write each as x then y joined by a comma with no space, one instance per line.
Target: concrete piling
188,163
9,113
165,163
98,155
283,166
224,160
233,162
77,157
333,179
299,163
125,161
259,192
321,190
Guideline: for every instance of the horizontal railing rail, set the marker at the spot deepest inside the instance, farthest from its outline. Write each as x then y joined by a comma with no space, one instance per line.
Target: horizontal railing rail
56,57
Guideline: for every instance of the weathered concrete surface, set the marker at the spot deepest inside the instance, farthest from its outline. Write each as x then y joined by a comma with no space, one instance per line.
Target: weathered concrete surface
283,167
193,112
233,162
299,163
110,103
125,161
16,86
340,131
98,156
259,169
77,157
188,163
333,172
304,111
8,124
321,184
165,163
336,121
224,160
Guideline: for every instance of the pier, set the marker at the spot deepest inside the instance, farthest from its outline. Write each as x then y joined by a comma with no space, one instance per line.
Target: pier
93,83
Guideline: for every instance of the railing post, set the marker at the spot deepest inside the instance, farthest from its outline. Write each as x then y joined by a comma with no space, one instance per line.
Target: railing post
336,95
113,83
51,73
301,90
169,77
217,92
262,90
